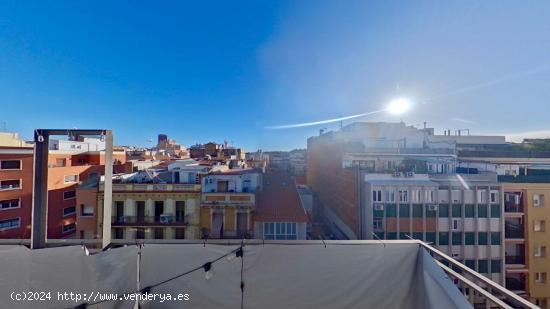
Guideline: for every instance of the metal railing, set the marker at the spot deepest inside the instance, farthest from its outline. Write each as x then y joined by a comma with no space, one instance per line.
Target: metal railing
491,295
512,207
512,230
148,220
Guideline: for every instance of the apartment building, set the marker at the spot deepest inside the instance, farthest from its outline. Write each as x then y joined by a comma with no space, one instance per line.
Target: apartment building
523,171
149,204
228,201
460,214
392,181
527,239
71,162
16,185
297,162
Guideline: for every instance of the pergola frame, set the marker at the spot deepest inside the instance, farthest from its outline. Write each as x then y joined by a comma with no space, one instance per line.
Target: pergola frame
40,186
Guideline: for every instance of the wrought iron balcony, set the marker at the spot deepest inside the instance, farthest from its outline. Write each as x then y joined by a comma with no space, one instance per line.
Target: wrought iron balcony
149,220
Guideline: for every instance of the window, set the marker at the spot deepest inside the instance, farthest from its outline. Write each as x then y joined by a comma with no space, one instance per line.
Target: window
443,211
417,210
390,196
495,238
481,196
471,264
430,237
180,233
457,211
391,211
377,224
495,211
377,195
280,230
71,178
7,204
415,195
119,233
404,211
494,196
538,200
430,196
469,238
10,165
69,211
10,184
67,195
403,196
540,251
482,211
443,238
456,238
495,266
10,224
482,238
61,162
158,233
67,228
539,226
86,210
540,278
417,235
483,266
469,211
391,235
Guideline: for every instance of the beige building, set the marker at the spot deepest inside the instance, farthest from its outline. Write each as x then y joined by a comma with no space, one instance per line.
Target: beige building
152,205
527,214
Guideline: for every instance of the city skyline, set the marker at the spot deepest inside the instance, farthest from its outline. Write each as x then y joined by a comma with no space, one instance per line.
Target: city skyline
226,71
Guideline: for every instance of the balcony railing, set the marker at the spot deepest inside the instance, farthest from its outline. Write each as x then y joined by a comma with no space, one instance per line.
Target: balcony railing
518,259
229,198
149,220
513,230
493,295
152,187
512,207
514,284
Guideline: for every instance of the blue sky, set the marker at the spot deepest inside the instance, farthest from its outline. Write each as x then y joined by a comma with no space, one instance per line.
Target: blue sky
224,70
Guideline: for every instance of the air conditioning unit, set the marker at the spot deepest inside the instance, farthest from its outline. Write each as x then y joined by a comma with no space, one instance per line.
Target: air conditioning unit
397,174
166,218
378,207
410,174
432,207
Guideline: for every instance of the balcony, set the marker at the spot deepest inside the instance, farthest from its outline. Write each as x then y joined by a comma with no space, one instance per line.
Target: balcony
513,230
516,283
140,187
228,199
517,259
513,207
162,220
